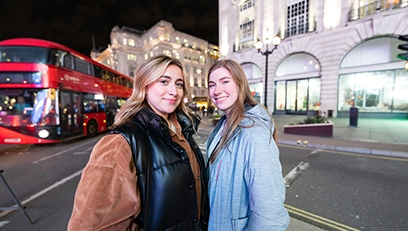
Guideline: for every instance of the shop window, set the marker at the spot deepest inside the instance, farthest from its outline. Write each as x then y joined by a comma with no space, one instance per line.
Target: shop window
378,91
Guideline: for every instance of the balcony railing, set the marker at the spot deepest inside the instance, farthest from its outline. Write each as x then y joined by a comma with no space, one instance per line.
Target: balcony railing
375,7
244,44
299,29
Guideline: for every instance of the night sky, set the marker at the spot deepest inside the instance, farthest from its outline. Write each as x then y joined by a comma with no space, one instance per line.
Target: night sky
74,22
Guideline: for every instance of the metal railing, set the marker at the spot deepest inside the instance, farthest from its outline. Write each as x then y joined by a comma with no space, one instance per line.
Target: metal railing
375,7
291,31
244,44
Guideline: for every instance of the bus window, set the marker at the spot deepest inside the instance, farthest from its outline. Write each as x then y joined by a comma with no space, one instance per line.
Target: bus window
90,104
101,106
81,65
97,71
21,105
56,57
23,54
16,101
16,107
68,61
45,111
111,109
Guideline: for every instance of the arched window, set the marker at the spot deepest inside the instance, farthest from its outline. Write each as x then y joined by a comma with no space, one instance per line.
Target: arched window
372,78
297,85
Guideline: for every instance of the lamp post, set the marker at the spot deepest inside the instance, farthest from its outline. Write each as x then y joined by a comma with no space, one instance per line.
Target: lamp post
258,45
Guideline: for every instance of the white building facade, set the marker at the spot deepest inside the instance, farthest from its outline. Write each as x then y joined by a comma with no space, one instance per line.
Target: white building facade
334,54
130,47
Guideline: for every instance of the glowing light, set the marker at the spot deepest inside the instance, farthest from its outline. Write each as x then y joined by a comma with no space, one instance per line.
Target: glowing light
43,133
99,96
332,13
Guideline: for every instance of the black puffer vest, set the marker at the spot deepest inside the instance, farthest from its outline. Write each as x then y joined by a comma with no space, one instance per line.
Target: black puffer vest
165,179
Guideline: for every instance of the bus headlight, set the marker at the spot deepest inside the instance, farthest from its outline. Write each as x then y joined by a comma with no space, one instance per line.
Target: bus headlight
43,133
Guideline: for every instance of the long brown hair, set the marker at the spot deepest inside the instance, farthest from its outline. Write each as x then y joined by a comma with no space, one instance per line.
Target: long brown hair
237,111
146,74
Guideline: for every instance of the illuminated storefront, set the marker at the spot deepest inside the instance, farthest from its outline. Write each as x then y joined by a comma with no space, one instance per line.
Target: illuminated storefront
298,85
377,86
377,91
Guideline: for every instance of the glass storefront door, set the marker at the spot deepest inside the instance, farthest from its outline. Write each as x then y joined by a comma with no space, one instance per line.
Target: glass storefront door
291,97
296,97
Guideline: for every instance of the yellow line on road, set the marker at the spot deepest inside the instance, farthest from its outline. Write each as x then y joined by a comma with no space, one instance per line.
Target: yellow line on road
318,220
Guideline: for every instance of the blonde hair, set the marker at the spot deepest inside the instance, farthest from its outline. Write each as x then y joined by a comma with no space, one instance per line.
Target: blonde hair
146,74
237,111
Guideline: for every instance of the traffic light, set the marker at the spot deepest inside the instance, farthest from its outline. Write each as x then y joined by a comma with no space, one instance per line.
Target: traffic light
404,47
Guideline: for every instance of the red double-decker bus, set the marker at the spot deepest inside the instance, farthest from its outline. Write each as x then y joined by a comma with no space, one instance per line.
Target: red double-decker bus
50,93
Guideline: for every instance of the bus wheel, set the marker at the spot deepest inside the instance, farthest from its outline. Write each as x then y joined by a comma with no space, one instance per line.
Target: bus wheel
92,129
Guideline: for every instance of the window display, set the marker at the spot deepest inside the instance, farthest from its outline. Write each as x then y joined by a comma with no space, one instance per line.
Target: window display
378,91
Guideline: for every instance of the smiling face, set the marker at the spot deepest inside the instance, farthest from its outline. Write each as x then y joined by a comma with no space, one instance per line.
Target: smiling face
223,89
166,93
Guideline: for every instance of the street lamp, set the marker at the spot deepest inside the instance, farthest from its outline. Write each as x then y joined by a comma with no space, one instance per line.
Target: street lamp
258,45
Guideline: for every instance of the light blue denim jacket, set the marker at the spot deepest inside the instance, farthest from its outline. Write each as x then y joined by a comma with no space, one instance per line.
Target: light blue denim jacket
246,188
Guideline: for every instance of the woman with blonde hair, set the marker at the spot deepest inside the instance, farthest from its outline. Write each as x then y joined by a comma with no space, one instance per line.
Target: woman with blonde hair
147,173
246,189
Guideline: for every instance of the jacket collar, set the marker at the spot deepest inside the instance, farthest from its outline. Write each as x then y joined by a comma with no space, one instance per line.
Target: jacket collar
247,108
158,126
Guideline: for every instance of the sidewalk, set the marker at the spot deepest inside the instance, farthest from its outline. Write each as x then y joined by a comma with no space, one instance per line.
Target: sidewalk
373,136
388,137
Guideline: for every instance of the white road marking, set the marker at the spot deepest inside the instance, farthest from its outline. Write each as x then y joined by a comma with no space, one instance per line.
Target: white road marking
59,153
2,223
61,182
83,152
297,171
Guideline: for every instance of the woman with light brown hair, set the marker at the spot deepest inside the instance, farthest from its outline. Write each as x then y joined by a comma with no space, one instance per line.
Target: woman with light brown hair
147,173
246,189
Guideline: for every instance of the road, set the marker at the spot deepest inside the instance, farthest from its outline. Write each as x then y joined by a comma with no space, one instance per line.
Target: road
356,191
44,179
342,191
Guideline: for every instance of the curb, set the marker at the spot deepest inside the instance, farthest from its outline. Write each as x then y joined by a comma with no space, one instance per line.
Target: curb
360,150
